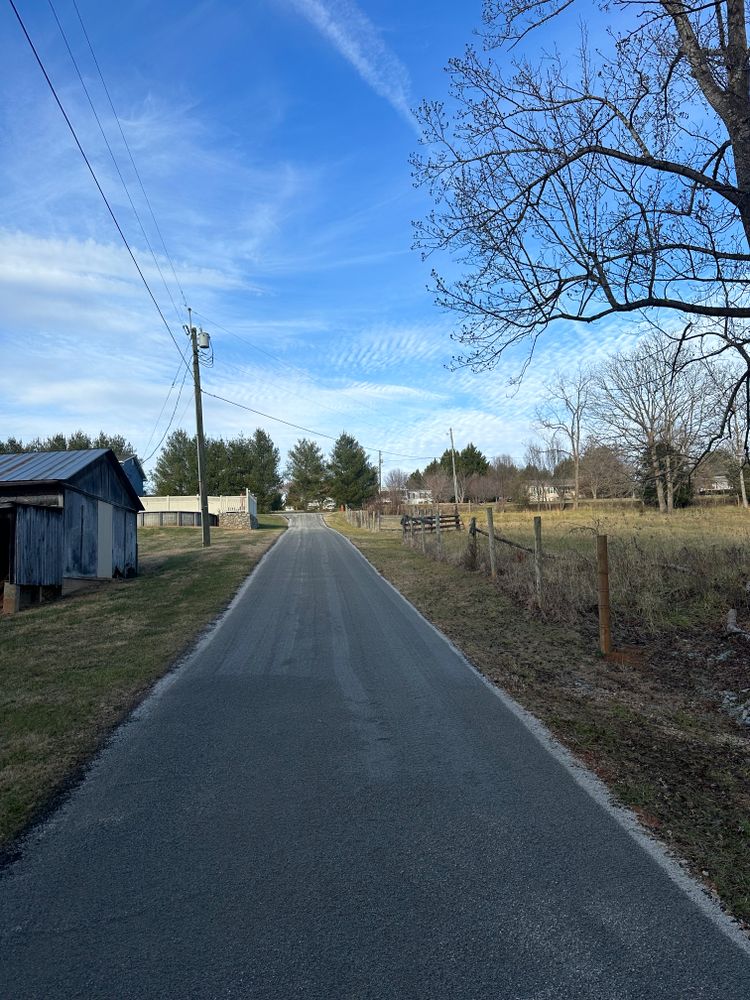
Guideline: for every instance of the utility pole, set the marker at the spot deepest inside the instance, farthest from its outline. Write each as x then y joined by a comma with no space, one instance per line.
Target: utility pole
455,480
192,332
380,473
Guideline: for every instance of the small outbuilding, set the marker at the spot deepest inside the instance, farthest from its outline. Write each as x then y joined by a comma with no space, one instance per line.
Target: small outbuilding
67,518
135,472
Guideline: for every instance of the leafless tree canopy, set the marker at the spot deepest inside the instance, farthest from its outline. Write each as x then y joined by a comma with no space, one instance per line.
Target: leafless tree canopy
620,185
647,408
563,414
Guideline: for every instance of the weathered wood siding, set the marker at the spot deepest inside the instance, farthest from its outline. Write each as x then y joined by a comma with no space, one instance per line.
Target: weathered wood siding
124,545
100,480
39,546
81,534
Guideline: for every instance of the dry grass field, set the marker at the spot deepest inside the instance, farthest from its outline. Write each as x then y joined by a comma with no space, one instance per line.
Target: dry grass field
653,720
684,571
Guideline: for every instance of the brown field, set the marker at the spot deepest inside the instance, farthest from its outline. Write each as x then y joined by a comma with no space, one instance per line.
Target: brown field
683,571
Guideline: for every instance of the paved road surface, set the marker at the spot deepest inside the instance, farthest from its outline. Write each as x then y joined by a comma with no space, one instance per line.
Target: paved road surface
325,802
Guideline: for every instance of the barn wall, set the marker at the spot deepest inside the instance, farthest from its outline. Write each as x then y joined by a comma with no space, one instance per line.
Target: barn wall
81,534
124,544
105,539
39,546
100,479
131,543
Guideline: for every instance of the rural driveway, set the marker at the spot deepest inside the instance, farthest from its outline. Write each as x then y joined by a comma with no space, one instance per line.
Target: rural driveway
326,802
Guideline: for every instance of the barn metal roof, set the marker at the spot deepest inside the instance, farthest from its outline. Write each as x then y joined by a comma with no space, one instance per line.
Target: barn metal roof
45,466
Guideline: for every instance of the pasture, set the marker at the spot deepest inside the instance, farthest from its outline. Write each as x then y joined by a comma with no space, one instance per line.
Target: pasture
666,573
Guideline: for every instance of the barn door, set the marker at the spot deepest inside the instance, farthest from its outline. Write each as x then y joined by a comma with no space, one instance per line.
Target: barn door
104,547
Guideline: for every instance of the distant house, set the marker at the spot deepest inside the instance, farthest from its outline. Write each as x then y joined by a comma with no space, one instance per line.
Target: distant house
66,518
563,489
717,484
417,496
542,493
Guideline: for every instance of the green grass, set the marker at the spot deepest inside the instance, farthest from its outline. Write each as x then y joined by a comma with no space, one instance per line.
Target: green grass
72,669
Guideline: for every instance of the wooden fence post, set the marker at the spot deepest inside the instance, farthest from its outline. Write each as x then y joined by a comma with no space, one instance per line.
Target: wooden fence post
602,572
438,536
424,547
538,559
491,537
473,543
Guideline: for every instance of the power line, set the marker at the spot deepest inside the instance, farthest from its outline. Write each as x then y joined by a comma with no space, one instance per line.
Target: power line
261,350
179,422
171,419
242,370
164,406
112,157
275,357
96,180
130,154
309,430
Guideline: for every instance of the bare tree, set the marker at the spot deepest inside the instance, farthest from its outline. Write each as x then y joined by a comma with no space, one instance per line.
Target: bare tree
440,484
504,476
395,484
562,415
604,471
651,410
540,462
619,185
737,425
738,435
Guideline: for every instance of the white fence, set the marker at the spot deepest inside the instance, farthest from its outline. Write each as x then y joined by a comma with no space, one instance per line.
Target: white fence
245,503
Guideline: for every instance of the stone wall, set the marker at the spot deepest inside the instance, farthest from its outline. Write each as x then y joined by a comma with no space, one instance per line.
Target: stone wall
237,519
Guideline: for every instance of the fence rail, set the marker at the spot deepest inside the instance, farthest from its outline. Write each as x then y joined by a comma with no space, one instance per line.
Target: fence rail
419,527
431,523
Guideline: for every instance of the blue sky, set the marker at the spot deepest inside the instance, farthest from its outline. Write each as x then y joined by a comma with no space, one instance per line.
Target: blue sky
272,138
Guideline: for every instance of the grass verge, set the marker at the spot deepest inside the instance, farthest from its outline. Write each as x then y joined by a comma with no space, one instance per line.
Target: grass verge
71,670
649,721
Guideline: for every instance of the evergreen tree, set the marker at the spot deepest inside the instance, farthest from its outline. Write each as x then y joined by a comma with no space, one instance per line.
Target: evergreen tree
471,461
352,479
119,445
238,459
264,480
80,441
231,467
12,446
176,472
306,473
77,441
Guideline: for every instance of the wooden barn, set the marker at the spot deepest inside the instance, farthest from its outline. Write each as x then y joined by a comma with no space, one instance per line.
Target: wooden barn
67,518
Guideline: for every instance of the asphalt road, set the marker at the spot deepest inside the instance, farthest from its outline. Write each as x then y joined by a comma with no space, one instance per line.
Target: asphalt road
326,802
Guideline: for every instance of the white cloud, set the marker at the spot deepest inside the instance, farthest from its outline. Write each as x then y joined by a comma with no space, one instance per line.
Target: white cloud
392,346
358,40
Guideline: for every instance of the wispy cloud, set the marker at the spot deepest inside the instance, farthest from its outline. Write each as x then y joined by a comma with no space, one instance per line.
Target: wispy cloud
358,40
391,347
